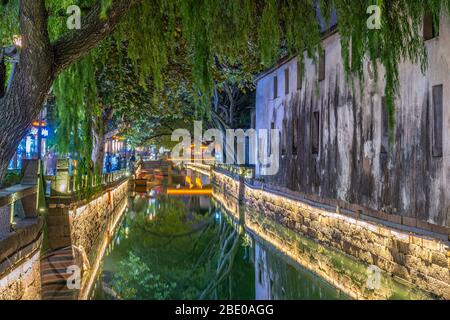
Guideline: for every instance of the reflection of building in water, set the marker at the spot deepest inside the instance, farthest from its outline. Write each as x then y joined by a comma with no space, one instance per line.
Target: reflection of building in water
262,281
278,278
199,204
152,208
205,203
198,177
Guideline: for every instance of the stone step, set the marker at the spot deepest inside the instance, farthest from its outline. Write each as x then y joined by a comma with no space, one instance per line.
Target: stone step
54,275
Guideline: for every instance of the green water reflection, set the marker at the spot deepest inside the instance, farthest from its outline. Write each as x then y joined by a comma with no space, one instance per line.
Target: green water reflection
186,248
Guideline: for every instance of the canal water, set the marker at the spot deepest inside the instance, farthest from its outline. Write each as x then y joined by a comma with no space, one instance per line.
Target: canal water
185,246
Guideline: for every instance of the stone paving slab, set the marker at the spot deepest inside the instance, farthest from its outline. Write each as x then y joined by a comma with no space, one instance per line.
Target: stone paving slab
54,275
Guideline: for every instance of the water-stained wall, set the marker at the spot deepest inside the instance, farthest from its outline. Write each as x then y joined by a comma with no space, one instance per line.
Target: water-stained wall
355,160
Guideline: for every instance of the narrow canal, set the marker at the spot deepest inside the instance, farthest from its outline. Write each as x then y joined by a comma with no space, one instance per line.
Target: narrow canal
187,247
171,247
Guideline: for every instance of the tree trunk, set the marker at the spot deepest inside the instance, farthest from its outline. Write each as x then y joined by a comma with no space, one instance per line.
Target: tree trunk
229,92
32,81
98,153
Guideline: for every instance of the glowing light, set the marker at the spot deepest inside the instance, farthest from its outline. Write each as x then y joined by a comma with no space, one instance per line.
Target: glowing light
206,191
17,40
200,168
189,182
118,138
80,209
28,145
39,124
201,147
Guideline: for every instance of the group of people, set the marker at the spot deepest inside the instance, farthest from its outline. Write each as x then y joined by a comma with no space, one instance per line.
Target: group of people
110,165
120,163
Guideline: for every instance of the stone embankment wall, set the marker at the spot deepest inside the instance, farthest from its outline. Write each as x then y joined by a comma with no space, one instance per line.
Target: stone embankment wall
20,277
80,224
86,226
24,282
290,224
92,228
20,243
89,221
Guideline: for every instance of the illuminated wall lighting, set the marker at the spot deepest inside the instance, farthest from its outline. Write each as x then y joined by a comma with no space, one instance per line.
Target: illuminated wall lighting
17,40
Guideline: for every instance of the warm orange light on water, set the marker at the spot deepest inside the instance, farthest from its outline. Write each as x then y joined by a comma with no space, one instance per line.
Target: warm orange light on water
179,192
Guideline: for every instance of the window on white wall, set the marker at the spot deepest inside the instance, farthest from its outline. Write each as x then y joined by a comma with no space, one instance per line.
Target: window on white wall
275,87
322,62
299,75
269,145
315,132
438,122
294,136
260,273
384,127
286,81
430,26
284,137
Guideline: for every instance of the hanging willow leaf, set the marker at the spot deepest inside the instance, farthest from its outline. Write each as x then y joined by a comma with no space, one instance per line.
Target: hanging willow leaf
154,33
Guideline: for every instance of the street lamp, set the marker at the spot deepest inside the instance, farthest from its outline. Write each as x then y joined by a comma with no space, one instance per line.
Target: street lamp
17,40
12,53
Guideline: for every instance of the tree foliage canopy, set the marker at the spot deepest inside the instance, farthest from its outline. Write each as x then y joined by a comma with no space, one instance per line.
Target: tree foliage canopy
153,33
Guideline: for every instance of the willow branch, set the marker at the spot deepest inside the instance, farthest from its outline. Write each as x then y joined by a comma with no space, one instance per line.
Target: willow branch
94,29
2,76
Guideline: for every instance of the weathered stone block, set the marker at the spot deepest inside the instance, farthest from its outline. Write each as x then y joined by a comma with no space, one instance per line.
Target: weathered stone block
402,272
430,244
440,273
403,247
439,259
314,215
415,240
56,231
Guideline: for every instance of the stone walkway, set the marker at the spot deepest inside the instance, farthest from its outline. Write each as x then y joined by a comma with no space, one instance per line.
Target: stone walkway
55,273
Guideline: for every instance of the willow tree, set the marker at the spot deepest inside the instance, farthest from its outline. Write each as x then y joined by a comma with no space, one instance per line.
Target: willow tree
41,60
142,112
152,31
